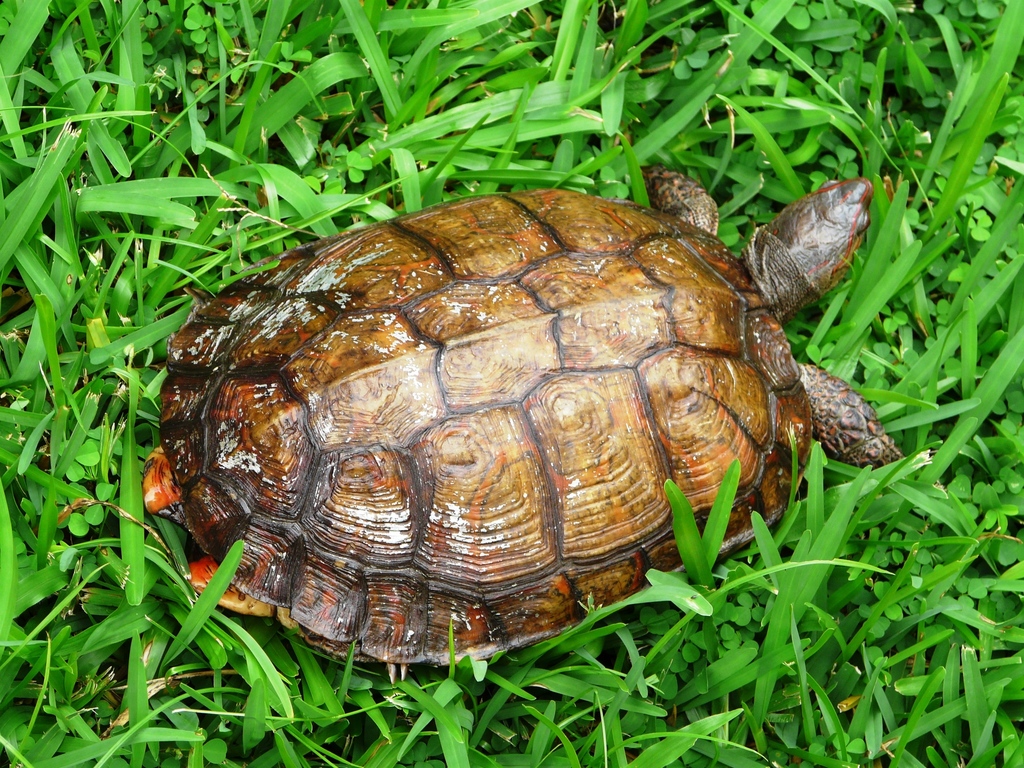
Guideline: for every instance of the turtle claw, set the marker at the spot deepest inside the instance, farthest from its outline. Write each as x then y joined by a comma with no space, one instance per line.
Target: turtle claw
397,672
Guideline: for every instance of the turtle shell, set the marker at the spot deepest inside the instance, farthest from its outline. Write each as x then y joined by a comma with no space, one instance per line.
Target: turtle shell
463,418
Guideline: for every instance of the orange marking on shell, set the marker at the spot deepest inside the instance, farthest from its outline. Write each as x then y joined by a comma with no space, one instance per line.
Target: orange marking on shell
159,488
489,481
610,213
477,627
402,272
641,570
562,585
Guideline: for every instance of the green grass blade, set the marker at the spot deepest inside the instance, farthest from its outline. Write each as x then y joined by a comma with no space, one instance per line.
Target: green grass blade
17,41
921,702
882,6
374,55
980,126
1003,56
554,728
206,604
993,384
636,175
287,102
568,37
805,692
29,201
721,511
969,349
1005,227
875,265
10,115
611,104
137,694
132,533
409,179
8,569
771,149
453,740
684,525
247,139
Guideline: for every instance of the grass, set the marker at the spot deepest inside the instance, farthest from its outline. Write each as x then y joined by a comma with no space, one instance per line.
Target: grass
150,146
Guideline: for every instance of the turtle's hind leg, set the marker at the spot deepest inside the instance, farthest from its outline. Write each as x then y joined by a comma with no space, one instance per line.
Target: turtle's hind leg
845,425
200,573
678,195
160,491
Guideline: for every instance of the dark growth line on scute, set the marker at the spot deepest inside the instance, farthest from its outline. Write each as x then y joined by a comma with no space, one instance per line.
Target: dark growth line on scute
410,303
555,315
426,244
551,231
643,240
753,489
308,250
646,270
179,369
275,279
307,430
683,241
217,322
576,608
439,380
468,410
664,537
569,372
556,334
666,303
205,423
552,508
699,352
797,389
296,552
424,475
322,298
652,424
645,558
226,486
773,421
737,420
420,501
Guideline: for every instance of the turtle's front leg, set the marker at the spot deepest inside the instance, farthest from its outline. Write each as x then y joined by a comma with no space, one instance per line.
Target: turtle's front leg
845,425
678,195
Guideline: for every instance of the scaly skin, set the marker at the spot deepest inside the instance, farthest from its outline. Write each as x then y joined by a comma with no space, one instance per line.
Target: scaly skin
680,196
845,425
806,249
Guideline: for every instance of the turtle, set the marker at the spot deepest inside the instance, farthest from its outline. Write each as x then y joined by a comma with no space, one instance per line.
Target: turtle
454,426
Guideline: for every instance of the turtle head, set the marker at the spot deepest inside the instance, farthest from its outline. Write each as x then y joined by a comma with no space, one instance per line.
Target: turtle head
807,248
